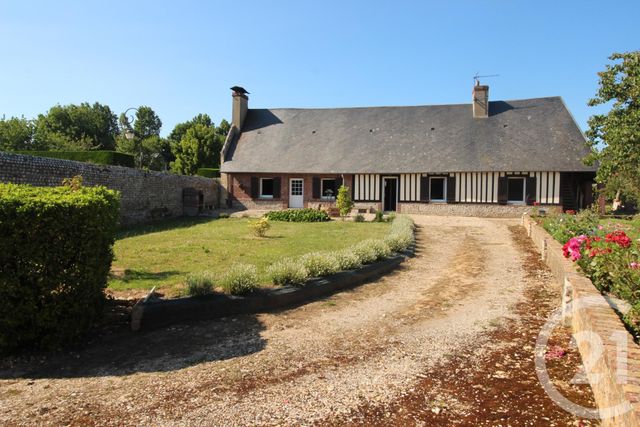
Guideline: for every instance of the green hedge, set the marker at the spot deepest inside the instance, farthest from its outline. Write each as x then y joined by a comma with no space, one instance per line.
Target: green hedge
98,157
55,255
298,215
209,172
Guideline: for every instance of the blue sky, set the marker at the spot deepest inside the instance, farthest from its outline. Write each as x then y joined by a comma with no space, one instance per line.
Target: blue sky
180,58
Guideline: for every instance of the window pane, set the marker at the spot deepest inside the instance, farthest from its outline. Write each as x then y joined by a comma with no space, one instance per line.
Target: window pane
296,187
267,187
436,190
328,188
515,189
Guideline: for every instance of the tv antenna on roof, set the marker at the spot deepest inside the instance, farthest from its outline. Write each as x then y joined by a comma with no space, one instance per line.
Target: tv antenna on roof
476,78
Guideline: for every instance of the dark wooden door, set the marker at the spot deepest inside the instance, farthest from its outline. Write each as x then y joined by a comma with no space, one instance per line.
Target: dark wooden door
390,193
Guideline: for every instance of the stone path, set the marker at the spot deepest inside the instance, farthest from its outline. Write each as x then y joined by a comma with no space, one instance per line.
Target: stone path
447,339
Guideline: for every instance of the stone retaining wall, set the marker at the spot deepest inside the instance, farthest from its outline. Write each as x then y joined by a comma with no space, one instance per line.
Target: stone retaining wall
614,374
145,195
490,210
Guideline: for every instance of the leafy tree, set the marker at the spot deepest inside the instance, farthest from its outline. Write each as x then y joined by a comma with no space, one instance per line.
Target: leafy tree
196,148
142,139
197,143
343,201
76,127
16,134
614,137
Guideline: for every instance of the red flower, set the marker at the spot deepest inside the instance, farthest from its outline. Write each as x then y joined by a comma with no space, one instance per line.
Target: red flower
618,237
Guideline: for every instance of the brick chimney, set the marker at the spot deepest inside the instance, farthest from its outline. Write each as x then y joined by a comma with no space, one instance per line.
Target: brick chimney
240,106
480,101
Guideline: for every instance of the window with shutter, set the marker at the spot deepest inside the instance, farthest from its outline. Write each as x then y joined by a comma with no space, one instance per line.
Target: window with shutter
502,190
451,189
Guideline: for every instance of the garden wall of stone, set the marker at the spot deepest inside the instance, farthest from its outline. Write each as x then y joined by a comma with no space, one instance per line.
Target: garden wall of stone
614,373
145,195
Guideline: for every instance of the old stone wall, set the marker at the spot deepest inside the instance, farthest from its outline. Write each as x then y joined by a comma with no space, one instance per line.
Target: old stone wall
471,209
145,195
611,357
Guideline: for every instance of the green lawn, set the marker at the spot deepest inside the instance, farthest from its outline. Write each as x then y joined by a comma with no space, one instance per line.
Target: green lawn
163,254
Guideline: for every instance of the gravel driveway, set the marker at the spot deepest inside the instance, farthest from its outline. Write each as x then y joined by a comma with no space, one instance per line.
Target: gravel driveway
387,352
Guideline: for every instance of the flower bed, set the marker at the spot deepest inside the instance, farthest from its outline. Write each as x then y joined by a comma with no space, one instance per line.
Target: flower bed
605,253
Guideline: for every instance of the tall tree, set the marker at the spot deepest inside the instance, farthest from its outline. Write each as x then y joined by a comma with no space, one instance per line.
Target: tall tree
77,127
16,134
195,149
142,139
614,137
198,148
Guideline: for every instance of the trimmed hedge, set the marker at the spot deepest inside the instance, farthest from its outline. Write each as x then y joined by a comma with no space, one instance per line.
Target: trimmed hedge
98,157
209,172
55,256
298,215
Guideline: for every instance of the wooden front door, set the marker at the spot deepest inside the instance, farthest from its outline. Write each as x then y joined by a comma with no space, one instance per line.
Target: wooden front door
296,193
390,193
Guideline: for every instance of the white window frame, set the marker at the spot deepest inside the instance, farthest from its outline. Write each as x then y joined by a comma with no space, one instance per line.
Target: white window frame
322,196
444,189
265,196
524,190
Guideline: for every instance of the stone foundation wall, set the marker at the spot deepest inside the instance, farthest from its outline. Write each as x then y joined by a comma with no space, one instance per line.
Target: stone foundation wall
613,372
145,195
471,209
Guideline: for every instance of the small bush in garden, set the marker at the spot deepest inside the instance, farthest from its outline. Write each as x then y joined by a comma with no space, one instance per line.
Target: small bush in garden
287,271
223,215
391,217
347,260
199,284
343,201
55,256
240,279
379,217
398,242
371,250
298,215
260,227
358,218
319,264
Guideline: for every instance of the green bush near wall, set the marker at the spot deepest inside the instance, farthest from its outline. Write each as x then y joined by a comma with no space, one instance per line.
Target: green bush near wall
55,256
209,172
97,157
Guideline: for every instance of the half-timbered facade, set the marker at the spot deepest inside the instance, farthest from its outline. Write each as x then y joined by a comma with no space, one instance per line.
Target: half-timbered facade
486,157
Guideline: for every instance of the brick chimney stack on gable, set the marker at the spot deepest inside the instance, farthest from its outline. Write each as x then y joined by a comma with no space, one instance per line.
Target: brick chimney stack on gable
480,101
240,106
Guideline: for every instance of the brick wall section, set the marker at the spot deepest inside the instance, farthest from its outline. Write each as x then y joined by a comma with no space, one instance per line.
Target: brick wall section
145,196
611,386
239,186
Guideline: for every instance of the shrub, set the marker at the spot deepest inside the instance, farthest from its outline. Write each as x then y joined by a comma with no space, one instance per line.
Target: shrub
347,260
371,250
208,172
223,215
343,201
298,215
287,271
240,279
199,283
55,256
100,157
391,217
358,218
260,227
379,217
319,264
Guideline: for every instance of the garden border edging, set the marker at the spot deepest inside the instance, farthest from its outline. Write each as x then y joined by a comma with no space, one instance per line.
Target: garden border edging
155,313
610,387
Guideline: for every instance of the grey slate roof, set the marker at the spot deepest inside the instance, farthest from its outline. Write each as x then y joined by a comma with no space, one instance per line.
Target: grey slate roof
523,135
